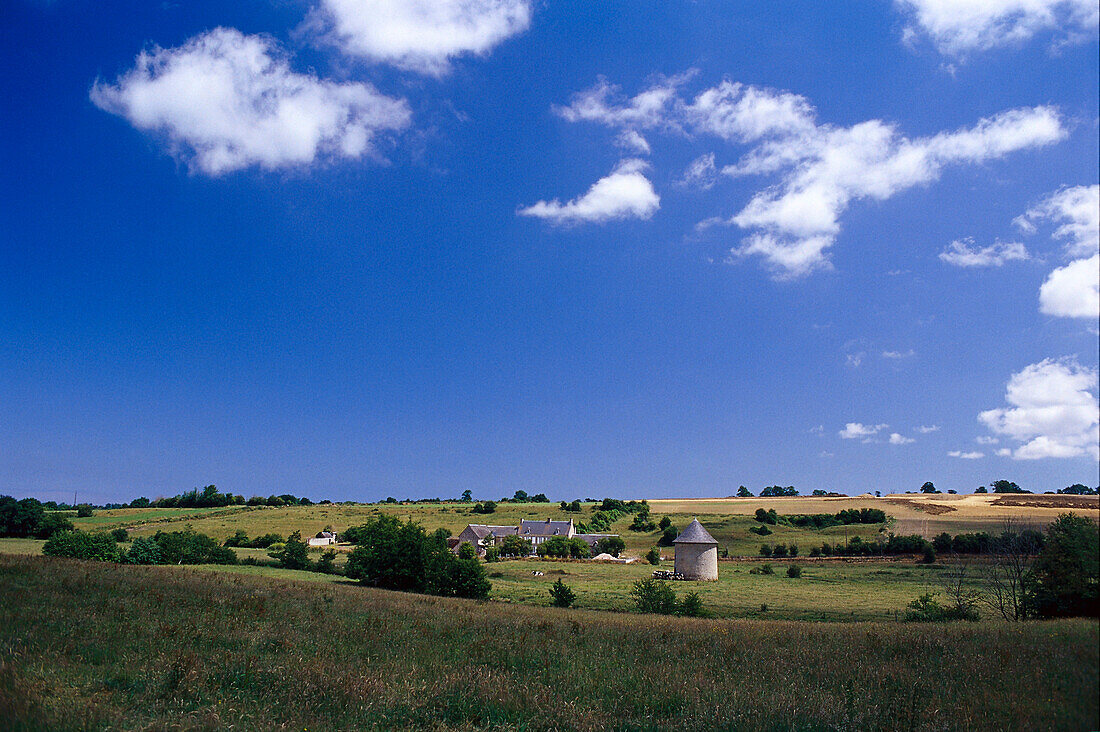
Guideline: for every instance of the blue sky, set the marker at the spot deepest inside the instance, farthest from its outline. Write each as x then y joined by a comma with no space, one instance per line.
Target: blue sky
359,248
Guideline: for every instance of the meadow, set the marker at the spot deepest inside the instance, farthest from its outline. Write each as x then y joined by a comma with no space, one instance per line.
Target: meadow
92,646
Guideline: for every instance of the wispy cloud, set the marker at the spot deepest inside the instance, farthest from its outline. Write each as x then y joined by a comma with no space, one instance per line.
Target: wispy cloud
965,455
963,253
856,430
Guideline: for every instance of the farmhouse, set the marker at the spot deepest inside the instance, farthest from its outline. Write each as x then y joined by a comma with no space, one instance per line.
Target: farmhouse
483,536
696,553
323,538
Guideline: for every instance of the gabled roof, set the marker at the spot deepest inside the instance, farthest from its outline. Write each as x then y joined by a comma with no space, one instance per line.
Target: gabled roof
545,528
695,534
483,530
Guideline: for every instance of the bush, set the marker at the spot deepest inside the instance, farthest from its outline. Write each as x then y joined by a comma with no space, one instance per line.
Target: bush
561,595
513,545
765,550
121,535
653,556
794,571
793,550
189,547
266,541
692,606
928,554
492,554
487,507
84,511
294,553
762,569
815,551
653,596
327,563
668,536
82,545
612,545
779,551
761,530
238,539
144,551
27,517
664,523
926,610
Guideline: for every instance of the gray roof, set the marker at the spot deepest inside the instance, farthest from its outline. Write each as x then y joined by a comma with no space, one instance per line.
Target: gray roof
545,528
483,530
695,534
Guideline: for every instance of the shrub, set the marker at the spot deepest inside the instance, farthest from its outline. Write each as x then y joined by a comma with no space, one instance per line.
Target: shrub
82,545
815,551
84,511
487,507
294,553
926,610
691,606
27,517
121,535
144,551
327,563
189,547
762,569
765,550
664,523
780,550
928,554
793,550
50,523
612,545
514,545
794,571
653,556
492,554
561,595
668,536
761,530
653,596
266,541
826,550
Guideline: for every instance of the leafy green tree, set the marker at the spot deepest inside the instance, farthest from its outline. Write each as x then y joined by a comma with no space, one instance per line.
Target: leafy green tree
1006,486
520,496
612,545
294,554
513,545
467,496
144,550
668,536
486,507
391,555
461,576
82,545
440,537
540,498
653,596
744,492
928,487
1065,576
327,563
561,595
664,523
981,489
765,550
653,556
1078,489
794,571
50,523
121,535
84,511
492,554
239,538
189,547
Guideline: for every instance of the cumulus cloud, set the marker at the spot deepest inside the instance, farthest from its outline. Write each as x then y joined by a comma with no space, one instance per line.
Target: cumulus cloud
224,101
423,36
963,253
822,169
926,429
1053,412
899,439
1071,291
624,193
856,430
957,27
965,455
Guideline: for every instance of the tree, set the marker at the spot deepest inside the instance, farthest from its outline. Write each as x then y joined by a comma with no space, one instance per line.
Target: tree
84,511
653,556
294,554
653,596
561,595
1077,489
1064,579
744,492
928,487
668,536
981,489
327,563
144,551
1005,573
1006,486
794,571
692,606
121,535
82,545
487,507
664,523
540,498
513,545
520,496
467,496
612,545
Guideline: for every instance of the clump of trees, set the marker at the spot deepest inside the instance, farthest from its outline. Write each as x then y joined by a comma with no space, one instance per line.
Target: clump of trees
776,491
486,507
397,555
1078,489
571,507
822,520
28,518
82,545
164,547
563,548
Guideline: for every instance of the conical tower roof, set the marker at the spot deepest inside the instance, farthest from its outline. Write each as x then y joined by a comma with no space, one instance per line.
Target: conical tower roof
695,534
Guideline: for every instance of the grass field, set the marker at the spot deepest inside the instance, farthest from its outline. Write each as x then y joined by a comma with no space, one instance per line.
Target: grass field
91,646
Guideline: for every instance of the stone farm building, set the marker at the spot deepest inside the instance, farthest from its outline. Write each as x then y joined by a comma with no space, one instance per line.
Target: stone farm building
696,553
483,536
323,538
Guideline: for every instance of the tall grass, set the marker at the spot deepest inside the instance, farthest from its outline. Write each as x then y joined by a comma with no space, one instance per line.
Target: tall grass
91,646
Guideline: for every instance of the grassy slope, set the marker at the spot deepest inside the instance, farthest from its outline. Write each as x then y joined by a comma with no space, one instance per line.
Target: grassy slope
87,646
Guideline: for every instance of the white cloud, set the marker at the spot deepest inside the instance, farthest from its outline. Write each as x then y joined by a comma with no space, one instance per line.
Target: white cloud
898,355
960,26
701,173
898,439
963,253
966,455
1004,452
632,141
420,35
225,101
855,430
926,429
1053,411
983,440
798,219
1071,291
822,168
854,360
624,193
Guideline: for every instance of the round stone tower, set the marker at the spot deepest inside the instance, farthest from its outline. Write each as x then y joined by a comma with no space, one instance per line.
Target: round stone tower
696,553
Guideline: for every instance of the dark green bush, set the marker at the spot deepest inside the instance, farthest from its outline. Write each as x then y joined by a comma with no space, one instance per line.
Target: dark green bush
794,571
144,551
294,554
691,606
653,596
653,556
121,535
926,610
561,595
189,547
84,511
612,545
82,545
